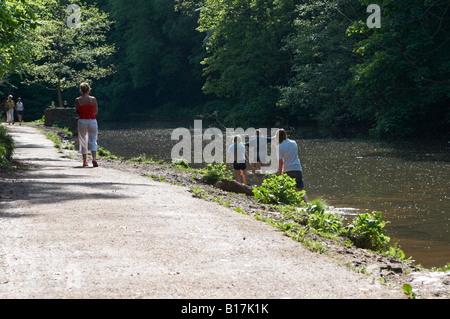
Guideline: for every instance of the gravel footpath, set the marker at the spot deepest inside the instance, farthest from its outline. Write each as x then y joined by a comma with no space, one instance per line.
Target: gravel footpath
71,232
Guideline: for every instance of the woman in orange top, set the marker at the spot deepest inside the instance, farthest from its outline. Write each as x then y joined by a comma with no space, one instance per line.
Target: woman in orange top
87,109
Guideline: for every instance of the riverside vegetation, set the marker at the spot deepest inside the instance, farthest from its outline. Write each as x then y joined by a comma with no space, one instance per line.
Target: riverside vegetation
6,147
361,244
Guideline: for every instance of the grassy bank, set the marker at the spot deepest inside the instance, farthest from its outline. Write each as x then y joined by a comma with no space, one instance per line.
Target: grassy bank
6,147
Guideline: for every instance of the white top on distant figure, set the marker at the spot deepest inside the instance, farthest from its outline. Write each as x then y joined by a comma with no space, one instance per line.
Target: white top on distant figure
240,153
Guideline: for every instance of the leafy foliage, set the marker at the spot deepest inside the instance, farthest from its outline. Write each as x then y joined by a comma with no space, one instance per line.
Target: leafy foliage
323,57
279,189
6,147
404,72
367,231
17,19
64,56
325,222
316,217
181,162
215,173
244,62
158,59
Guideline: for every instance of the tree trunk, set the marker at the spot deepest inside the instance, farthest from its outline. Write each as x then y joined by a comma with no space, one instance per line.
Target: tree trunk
60,101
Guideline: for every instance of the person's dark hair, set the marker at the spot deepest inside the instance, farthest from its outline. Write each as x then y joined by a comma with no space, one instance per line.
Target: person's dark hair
84,87
282,136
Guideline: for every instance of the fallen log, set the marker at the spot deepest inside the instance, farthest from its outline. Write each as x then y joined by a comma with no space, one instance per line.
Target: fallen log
235,187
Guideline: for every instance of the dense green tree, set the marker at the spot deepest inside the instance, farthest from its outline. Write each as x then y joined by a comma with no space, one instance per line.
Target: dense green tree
323,55
246,64
69,49
392,80
404,76
16,21
158,60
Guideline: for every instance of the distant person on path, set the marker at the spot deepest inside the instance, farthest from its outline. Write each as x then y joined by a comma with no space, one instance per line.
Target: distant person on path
9,106
87,109
238,156
258,145
20,108
289,162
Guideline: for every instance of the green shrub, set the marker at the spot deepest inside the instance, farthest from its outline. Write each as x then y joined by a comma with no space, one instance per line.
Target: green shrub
279,190
180,162
445,268
6,147
143,159
105,153
395,252
140,159
102,152
40,121
325,222
317,204
367,231
214,173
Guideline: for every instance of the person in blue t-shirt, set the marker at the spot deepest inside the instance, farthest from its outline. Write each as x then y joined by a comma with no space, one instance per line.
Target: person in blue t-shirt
289,162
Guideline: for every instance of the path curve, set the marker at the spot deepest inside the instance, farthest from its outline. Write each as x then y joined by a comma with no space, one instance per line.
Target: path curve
72,232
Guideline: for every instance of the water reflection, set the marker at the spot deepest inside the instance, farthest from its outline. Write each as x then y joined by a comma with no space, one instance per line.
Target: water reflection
411,191
409,182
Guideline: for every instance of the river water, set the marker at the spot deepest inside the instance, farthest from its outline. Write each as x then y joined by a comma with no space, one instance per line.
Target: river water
408,182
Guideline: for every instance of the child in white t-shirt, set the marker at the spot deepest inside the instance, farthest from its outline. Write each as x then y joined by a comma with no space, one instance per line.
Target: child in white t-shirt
238,156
